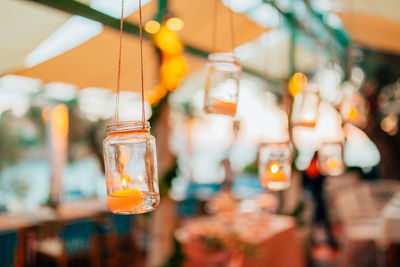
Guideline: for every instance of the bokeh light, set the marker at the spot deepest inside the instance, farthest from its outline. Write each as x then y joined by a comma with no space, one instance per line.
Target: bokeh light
152,27
174,24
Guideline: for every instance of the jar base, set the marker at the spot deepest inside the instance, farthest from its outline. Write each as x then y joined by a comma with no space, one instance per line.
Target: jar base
133,205
277,186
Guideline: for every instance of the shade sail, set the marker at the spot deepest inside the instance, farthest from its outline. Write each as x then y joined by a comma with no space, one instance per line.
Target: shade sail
94,63
373,24
274,60
198,17
24,25
373,32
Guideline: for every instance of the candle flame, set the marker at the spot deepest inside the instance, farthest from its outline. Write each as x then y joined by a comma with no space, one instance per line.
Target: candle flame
333,162
124,180
309,116
274,168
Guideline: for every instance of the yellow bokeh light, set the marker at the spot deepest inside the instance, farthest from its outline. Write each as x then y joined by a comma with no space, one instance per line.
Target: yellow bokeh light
174,24
389,124
296,83
152,27
59,126
168,41
173,70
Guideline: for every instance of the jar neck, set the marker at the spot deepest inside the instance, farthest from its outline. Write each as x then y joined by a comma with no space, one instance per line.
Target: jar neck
223,58
127,127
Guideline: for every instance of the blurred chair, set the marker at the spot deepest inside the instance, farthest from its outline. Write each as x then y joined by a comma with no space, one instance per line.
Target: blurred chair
9,249
121,243
74,241
117,242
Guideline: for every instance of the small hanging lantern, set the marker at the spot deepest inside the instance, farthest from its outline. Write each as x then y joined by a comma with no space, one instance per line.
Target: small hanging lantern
274,166
330,158
222,86
130,157
305,106
353,107
131,168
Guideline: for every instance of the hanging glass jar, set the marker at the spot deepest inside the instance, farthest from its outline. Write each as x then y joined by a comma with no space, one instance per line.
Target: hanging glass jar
330,158
305,106
274,166
131,168
353,107
222,85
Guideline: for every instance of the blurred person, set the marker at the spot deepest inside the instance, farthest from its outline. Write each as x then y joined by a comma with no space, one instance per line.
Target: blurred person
313,182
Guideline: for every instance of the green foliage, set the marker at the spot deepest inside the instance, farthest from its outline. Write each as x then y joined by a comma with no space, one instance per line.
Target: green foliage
177,256
297,213
166,180
251,168
8,140
213,242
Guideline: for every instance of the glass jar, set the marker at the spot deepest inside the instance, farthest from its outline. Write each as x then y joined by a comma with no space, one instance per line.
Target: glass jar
305,106
222,85
130,160
330,158
354,108
274,166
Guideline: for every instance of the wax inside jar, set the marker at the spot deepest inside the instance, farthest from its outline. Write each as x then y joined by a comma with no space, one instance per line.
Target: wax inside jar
352,114
274,174
125,200
223,107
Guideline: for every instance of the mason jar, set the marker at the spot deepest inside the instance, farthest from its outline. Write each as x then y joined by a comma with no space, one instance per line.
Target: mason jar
130,161
330,158
305,106
222,84
275,166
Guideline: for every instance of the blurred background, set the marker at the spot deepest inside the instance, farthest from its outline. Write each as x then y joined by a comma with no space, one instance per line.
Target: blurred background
58,76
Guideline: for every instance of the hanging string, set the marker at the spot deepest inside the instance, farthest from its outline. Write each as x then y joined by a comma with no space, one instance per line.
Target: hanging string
215,27
141,62
116,118
232,28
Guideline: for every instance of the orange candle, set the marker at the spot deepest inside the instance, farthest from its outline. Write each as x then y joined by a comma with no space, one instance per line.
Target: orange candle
125,200
274,174
352,114
223,107
309,120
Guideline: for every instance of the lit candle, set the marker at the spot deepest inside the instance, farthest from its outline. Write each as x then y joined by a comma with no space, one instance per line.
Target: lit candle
223,107
309,120
126,200
352,114
274,174
333,162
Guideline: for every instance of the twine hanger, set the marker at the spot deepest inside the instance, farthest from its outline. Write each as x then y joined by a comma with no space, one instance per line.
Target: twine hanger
116,118
215,27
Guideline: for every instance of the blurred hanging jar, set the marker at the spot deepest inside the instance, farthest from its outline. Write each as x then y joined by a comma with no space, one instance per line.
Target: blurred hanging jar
330,158
131,168
354,108
222,85
305,106
274,166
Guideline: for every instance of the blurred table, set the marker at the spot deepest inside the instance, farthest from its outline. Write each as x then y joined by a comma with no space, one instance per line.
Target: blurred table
269,241
25,219
370,215
391,222
65,212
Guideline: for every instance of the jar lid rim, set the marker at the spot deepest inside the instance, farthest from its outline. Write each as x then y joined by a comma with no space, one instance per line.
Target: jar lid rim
127,126
226,57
